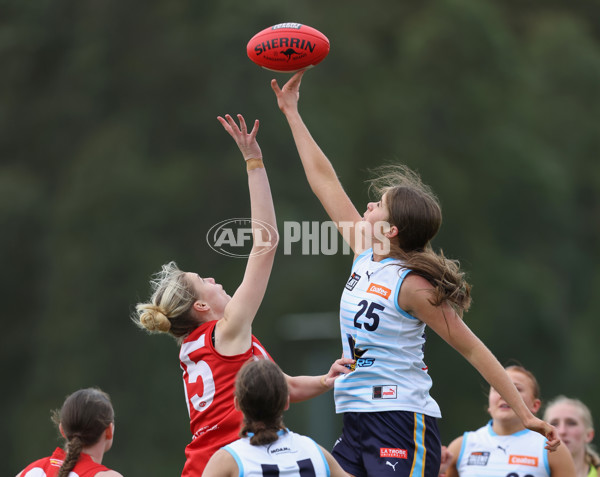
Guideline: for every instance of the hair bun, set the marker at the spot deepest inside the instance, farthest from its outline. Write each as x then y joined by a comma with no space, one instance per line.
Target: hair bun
153,319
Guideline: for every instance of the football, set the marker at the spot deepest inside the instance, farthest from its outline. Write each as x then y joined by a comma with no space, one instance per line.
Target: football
288,47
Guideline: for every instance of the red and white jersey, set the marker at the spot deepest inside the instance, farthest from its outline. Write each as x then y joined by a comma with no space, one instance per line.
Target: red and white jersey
209,383
49,466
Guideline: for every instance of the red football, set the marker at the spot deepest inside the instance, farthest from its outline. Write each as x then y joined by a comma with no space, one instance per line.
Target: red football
288,47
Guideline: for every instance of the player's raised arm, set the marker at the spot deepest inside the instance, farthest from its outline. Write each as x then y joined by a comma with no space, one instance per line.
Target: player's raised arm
234,329
319,171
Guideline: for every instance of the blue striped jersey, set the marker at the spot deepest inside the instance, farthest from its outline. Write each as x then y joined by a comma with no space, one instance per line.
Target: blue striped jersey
387,343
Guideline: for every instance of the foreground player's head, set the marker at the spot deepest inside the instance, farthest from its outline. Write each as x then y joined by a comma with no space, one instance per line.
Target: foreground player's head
261,393
85,417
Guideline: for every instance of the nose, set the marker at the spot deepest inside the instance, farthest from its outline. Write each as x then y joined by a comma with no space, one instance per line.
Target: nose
370,206
561,428
210,280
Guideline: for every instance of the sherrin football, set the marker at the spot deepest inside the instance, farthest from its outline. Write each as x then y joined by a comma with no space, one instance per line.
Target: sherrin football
288,47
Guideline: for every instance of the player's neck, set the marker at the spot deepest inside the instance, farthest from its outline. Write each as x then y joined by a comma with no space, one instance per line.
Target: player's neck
96,451
507,427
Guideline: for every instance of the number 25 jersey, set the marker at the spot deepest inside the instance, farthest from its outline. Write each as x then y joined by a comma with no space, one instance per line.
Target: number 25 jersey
387,343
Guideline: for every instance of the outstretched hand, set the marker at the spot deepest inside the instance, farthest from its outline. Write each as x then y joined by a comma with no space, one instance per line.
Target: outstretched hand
245,140
288,96
339,367
548,431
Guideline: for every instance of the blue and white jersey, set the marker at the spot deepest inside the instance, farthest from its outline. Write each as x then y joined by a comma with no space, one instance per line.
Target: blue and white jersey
292,455
386,342
487,454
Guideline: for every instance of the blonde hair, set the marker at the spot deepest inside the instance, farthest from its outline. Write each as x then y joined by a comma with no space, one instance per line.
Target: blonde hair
415,210
591,456
169,309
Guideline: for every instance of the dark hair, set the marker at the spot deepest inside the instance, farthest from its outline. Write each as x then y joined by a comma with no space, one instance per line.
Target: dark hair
261,391
414,209
84,416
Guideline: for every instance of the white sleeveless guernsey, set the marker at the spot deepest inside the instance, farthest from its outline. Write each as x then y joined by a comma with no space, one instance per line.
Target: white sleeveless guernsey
386,341
292,455
485,453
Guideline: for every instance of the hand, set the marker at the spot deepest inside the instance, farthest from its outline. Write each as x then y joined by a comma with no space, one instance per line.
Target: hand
288,96
246,141
339,367
547,430
445,461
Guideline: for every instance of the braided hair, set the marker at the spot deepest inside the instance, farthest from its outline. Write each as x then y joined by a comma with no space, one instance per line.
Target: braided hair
262,395
84,416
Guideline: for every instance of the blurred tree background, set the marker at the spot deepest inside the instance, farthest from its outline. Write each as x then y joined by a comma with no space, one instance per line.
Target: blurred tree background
112,163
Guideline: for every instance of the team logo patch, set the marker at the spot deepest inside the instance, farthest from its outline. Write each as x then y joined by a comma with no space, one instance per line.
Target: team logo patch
352,281
478,458
523,460
389,453
379,290
56,462
385,392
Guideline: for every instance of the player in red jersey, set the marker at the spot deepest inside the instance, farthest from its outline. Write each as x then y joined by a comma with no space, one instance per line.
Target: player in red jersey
86,421
215,329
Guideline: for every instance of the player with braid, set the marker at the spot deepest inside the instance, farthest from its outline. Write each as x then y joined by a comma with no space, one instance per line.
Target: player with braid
86,421
266,446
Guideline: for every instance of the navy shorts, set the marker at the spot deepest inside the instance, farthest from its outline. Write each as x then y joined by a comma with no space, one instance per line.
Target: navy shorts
391,444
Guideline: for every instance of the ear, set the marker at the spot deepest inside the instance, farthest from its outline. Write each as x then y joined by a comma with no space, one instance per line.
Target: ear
236,404
200,306
287,403
589,436
536,406
109,432
62,431
392,232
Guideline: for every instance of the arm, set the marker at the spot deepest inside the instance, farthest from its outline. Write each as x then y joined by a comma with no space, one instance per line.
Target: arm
448,468
335,469
302,388
221,464
320,173
414,298
561,463
108,473
235,329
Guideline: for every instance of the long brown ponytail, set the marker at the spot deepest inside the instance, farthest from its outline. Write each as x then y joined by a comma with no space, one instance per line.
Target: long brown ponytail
415,210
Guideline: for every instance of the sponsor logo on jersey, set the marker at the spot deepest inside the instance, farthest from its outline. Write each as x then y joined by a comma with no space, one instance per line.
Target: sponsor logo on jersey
352,281
365,362
280,450
385,392
478,458
56,462
523,460
379,290
390,453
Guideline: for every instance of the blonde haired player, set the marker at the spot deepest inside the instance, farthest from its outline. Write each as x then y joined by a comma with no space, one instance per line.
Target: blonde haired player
573,421
215,329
